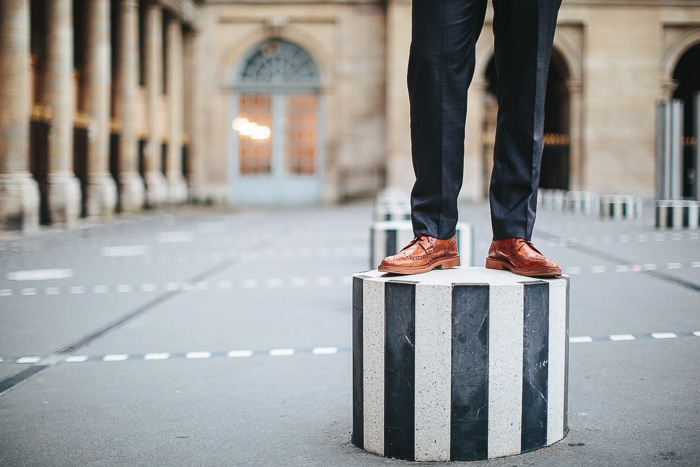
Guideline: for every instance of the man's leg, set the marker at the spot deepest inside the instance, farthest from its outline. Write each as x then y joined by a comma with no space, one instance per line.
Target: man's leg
441,66
524,32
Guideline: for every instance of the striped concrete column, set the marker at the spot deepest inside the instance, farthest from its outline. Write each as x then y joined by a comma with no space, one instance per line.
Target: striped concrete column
19,192
156,185
388,237
621,207
177,185
677,214
582,202
132,190
101,188
461,364
58,95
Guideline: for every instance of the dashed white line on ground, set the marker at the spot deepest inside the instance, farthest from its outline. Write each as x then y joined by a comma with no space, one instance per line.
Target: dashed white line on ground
281,352
198,355
664,335
621,337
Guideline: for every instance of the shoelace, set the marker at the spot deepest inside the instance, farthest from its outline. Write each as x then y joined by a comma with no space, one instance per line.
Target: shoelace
528,242
417,240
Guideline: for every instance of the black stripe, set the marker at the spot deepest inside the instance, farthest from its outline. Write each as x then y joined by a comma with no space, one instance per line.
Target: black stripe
399,370
372,240
535,360
669,216
391,248
686,216
9,383
470,372
358,433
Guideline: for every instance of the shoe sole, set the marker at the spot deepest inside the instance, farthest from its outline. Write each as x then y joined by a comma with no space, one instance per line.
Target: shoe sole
443,263
501,265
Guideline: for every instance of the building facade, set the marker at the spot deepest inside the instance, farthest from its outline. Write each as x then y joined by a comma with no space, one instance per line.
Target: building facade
113,106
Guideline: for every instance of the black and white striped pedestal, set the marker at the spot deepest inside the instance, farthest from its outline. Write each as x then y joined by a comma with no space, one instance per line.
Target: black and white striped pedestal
677,214
387,238
392,204
551,200
582,202
460,364
620,206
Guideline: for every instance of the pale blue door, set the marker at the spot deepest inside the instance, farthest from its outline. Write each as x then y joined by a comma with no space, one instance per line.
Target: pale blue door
276,127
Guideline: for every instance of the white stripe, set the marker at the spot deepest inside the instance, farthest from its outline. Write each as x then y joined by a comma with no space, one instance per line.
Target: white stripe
649,267
52,290
39,274
281,352
621,337
556,367
28,360
580,339
273,282
100,289
124,288
373,365
194,355
115,357
156,356
240,353
5,292
250,283
172,286
433,367
696,333
324,350
664,335
77,289
505,369
28,291
76,358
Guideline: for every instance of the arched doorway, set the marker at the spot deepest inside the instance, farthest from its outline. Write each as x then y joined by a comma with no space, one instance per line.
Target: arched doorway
687,76
555,171
276,127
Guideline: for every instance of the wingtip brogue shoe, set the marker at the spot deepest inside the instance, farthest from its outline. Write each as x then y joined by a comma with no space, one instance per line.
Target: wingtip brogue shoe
422,254
520,256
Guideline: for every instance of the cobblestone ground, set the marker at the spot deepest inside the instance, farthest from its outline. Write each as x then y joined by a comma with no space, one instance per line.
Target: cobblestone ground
220,338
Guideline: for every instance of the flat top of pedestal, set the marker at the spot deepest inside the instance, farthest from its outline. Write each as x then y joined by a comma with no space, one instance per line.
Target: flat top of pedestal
458,275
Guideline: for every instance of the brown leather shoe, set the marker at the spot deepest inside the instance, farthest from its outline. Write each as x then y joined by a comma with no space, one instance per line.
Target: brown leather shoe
423,254
520,257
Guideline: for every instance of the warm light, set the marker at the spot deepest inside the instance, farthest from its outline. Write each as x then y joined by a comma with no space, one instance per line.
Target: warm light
248,128
238,123
260,132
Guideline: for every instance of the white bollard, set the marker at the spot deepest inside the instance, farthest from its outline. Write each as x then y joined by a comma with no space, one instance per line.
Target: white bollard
458,364
388,237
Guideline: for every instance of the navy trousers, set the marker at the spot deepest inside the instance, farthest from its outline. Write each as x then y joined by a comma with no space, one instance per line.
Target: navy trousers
441,67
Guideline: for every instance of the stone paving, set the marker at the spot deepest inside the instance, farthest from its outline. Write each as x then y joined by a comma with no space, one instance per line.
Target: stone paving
204,337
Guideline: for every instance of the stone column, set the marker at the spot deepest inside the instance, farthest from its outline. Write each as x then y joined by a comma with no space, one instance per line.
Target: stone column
193,107
156,185
58,95
576,167
174,76
132,187
19,192
101,188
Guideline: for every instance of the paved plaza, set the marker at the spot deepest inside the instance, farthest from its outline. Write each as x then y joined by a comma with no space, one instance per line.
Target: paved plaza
216,338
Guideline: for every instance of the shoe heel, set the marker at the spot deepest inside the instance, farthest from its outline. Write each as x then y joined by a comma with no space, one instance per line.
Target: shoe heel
450,263
495,264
